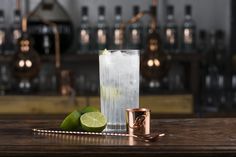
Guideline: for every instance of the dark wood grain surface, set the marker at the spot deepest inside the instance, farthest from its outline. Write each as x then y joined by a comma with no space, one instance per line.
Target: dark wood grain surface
184,137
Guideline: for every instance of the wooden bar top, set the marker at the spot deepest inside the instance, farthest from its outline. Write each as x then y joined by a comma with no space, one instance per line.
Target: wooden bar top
184,137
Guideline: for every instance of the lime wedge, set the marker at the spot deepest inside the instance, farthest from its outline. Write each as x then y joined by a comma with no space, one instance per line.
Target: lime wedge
89,109
108,92
71,122
93,122
104,52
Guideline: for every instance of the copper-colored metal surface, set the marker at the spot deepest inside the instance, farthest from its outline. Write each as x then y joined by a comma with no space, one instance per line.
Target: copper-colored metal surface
24,24
66,82
138,121
18,5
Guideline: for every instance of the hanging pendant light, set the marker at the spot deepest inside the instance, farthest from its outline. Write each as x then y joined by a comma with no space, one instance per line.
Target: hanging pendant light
154,62
26,62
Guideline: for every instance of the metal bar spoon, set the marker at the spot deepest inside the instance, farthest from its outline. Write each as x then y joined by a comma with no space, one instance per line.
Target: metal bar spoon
146,138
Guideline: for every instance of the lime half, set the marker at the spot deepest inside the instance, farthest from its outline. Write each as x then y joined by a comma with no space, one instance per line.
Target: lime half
93,121
71,122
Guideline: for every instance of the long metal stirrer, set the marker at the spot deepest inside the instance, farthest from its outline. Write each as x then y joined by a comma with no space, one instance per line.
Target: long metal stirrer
82,133
146,138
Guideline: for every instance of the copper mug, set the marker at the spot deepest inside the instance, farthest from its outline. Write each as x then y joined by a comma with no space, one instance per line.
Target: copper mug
138,121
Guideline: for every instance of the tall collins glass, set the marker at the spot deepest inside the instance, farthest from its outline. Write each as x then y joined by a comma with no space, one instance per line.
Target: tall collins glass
119,85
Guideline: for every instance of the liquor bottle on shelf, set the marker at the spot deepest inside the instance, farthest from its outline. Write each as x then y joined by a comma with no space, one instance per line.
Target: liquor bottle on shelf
84,32
153,9
149,28
203,42
203,47
47,79
210,104
170,31
5,79
233,80
223,66
46,43
118,32
16,30
2,33
188,31
214,77
135,32
220,49
101,30
176,77
233,83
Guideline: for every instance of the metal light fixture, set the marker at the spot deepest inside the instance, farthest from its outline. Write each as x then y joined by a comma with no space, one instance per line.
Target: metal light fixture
26,61
154,61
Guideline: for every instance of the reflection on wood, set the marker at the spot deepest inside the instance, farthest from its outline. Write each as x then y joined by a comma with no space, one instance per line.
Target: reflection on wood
87,139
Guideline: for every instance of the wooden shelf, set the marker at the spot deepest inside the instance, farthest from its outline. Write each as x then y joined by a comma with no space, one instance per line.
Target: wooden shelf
64,58
5,58
186,57
81,58
168,104
93,58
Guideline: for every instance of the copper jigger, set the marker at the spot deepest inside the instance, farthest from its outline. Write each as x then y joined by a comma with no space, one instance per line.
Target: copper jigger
138,121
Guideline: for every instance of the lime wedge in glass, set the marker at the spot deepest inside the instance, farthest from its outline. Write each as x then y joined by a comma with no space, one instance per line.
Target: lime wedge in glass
108,92
104,52
71,122
93,122
89,109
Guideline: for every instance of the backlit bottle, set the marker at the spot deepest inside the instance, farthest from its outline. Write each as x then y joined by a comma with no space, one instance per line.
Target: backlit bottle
118,32
2,33
135,32
15,33
101,30
170,31
188,31
84,32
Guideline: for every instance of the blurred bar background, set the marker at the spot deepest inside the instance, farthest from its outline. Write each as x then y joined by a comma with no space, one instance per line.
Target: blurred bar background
200,80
